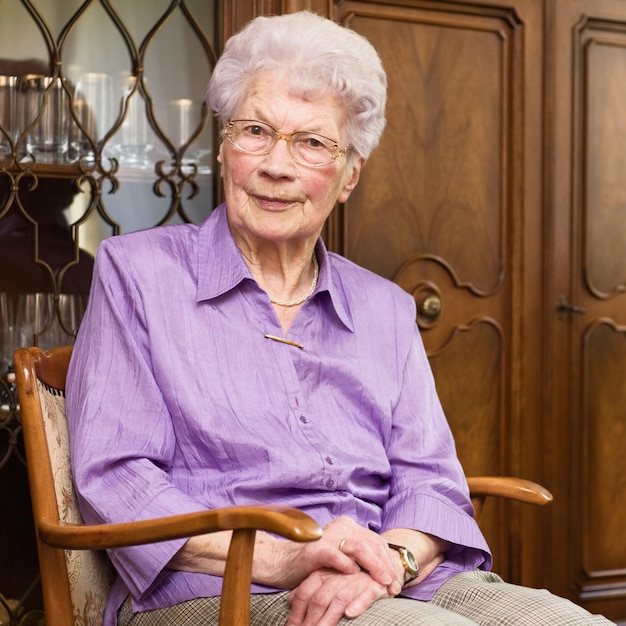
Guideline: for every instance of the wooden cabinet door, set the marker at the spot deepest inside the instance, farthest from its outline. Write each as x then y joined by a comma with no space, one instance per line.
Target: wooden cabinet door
449,207
587,343
498,194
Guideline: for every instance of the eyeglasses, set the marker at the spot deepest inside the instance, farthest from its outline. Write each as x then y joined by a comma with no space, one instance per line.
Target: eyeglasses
258,139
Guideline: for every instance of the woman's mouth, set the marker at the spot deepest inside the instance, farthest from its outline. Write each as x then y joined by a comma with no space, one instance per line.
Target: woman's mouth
274,204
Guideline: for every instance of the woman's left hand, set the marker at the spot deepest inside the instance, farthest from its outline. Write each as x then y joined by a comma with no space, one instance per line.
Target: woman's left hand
326,596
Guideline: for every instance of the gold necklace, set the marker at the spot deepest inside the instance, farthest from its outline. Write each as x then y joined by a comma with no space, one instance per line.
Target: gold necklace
307,295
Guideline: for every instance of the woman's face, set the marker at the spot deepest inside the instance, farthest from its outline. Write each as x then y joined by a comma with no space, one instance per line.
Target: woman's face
271,197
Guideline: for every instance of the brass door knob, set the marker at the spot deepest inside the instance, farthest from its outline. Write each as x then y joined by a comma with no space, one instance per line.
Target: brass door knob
429,307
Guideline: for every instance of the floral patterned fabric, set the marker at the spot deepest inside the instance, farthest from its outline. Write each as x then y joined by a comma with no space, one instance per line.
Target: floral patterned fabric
90,572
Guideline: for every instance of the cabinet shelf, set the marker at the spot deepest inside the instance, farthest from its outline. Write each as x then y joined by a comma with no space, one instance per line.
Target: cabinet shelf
134,174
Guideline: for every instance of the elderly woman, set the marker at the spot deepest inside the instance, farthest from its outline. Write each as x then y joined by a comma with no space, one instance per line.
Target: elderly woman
240,362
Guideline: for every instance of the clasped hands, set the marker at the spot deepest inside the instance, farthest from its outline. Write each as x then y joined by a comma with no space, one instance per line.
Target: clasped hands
342,574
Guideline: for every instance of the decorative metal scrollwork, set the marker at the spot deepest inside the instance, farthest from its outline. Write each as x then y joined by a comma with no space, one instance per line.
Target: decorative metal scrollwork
96,155
10,425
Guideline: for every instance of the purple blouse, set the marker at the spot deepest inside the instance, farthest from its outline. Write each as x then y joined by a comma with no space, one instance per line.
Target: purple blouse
178,402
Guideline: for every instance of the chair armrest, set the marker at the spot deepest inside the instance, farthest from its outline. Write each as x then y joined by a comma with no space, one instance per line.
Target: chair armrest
284,521
518,489
244,521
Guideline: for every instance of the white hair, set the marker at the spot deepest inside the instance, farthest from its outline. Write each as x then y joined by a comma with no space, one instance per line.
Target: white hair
319,57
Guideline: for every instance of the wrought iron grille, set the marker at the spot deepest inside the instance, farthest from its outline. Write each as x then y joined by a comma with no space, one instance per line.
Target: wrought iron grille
103,130
134,148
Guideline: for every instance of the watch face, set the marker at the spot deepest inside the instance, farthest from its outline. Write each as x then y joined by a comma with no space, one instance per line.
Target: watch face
411,567
411,562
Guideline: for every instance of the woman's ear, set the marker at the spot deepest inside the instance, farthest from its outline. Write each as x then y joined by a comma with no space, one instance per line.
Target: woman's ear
353,173
220,160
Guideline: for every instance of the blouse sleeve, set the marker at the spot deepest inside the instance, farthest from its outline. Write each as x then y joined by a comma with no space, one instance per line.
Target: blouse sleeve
121,434
428,489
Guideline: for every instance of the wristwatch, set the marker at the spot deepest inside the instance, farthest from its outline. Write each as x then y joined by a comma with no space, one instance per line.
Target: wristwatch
411,568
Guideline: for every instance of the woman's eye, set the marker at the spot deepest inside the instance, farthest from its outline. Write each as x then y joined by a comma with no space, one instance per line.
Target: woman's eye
311,143
255,130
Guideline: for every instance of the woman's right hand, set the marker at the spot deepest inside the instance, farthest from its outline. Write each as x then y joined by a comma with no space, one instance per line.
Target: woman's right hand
345,547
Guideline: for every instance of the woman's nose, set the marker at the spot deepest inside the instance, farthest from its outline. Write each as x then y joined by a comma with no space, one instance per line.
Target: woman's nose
279,161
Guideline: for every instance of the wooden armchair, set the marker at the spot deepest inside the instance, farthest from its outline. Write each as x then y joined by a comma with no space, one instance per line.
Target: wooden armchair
75,572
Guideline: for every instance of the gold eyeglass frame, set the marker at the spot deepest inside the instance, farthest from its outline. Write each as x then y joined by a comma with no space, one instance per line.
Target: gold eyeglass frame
336,150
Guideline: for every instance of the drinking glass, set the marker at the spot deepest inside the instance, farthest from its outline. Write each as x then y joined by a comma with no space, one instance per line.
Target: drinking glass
8,114
23,318
33,316
133,145
71,311
94,107
5,339
183,118
48,139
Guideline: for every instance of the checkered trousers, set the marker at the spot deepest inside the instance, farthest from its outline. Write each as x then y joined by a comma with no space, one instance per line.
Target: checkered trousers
465,600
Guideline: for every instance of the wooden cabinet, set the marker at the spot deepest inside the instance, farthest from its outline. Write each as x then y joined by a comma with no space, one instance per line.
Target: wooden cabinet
498,191
448,208
585,250
498,194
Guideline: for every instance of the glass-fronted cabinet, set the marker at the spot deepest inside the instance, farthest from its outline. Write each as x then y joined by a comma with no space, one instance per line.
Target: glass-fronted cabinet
103,130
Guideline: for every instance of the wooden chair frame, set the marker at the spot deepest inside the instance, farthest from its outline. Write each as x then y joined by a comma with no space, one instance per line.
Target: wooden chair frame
54,536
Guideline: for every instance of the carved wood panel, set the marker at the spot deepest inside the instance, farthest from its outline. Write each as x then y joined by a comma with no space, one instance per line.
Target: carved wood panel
600,274
602,453
438,211
589,348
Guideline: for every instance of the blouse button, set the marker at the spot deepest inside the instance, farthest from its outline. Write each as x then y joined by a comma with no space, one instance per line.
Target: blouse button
304,420
330,483
330,460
